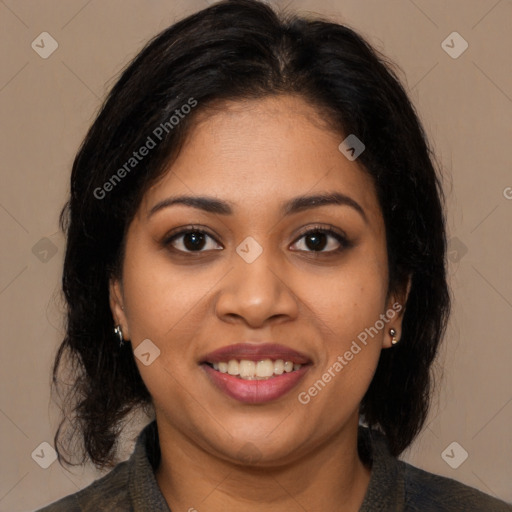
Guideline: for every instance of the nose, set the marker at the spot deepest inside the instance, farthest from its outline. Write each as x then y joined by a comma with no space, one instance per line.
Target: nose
256,293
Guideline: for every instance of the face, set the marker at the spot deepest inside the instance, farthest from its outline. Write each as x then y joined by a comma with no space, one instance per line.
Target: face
256,281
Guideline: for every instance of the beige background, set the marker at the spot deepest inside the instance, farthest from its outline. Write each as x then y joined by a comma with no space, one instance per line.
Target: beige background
46,105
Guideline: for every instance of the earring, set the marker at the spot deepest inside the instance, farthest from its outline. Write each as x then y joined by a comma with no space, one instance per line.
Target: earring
394,339
119,333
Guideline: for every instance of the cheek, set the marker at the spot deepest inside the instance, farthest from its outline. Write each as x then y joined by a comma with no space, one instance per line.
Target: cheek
348,309
166,308
351,301
159,301
170,307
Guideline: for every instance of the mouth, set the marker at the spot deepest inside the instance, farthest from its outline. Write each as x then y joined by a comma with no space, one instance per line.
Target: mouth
255,373
255,370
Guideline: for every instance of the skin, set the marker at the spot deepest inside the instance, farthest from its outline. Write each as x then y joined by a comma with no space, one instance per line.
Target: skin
257,155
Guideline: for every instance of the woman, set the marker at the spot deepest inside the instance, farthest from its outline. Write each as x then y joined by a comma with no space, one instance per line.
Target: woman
256,260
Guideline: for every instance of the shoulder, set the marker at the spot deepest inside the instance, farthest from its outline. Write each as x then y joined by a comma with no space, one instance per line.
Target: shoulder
127,486
426,492
106,493
397,485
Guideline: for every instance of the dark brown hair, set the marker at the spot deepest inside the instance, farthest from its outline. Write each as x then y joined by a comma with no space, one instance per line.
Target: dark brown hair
236,50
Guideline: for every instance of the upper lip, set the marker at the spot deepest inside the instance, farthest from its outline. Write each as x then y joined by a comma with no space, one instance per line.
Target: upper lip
255,352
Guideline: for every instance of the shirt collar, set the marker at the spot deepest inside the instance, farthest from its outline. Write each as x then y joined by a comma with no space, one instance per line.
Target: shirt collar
145,495
386,490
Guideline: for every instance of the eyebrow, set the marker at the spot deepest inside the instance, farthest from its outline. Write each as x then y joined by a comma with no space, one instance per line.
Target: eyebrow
295,205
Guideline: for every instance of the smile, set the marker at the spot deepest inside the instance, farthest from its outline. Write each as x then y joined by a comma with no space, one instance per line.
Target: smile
255,373
255,370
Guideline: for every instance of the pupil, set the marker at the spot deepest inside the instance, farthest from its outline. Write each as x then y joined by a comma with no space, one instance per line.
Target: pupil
196,240
317,239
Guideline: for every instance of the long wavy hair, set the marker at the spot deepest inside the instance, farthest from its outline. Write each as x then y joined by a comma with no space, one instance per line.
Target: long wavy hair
236,50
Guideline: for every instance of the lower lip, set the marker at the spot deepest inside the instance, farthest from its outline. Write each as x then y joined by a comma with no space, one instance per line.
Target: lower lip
255,391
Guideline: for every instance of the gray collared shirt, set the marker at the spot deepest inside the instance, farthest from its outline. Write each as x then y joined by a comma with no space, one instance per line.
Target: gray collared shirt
394,485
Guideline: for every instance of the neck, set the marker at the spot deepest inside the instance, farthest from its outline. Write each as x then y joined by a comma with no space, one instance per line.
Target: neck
331,477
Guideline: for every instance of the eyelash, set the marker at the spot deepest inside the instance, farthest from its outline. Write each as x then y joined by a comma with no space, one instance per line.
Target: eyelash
339,237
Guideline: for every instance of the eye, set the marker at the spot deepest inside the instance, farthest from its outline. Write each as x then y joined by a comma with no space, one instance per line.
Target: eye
316,240
191,240
323,240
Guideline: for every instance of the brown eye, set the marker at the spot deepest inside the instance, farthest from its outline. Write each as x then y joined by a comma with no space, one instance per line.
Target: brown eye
323,240
191,240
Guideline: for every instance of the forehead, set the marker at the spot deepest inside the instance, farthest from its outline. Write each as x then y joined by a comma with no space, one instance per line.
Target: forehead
261,153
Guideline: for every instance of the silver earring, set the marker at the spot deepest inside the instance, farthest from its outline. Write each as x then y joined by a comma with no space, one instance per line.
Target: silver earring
119,333
394,339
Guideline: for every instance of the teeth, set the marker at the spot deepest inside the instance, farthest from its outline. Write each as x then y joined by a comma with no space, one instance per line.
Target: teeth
265,368
250,370
279,367
233,367
247,368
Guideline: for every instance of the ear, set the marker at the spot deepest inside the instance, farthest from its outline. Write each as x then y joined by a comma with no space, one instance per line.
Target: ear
117,306
395,313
